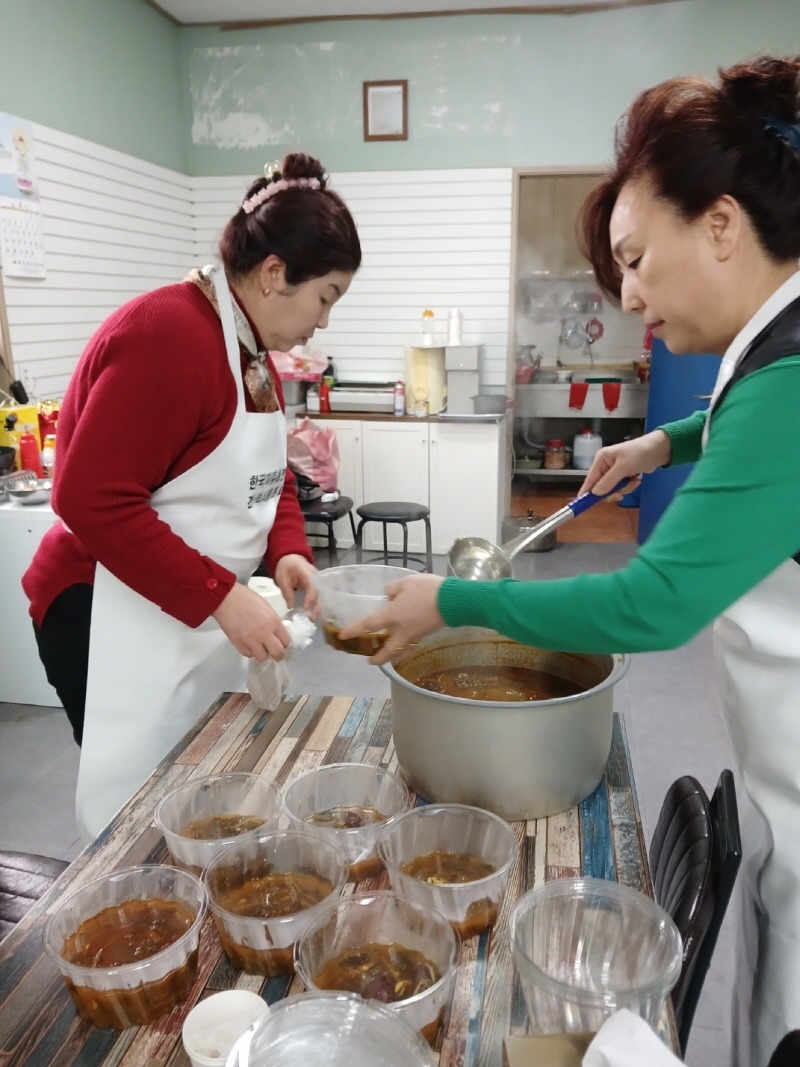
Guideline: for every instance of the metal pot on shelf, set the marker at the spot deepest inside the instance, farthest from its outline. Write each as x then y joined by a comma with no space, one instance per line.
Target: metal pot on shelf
514,525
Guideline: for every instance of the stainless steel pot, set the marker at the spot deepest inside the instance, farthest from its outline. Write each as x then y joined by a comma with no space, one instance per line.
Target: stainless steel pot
514,525
521,760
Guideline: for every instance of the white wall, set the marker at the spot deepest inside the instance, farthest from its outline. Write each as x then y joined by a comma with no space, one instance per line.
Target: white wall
430,239
114,227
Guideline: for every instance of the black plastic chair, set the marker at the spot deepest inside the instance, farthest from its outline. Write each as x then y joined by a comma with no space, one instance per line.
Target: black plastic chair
24,878
314,511
695,855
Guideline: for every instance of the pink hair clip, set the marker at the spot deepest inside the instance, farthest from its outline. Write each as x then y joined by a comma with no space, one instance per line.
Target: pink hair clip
259,198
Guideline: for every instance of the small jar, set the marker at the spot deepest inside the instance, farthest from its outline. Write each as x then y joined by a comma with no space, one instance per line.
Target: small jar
555,456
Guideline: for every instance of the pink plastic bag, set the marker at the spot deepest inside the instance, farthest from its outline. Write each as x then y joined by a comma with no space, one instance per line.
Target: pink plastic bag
314,451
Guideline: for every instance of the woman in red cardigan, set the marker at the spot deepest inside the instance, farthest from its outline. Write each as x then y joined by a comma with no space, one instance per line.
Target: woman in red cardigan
172,486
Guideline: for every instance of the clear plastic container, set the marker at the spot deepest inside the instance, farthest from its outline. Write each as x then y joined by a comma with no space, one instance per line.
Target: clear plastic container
442,838
296,865
349,593
204,815
353,792
383,918
585,947
335,1029
135,993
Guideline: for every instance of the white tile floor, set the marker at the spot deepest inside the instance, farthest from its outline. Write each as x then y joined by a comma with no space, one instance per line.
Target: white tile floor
672,719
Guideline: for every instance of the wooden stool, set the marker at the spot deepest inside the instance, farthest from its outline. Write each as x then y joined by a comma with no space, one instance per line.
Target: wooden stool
401,512
316,511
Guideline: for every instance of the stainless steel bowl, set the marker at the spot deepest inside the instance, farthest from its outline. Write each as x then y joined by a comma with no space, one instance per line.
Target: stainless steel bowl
36,491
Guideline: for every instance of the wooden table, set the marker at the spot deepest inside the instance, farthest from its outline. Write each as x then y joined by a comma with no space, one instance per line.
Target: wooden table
39,1026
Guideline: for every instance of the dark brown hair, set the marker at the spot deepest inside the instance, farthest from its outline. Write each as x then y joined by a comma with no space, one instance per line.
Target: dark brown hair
311,230
695,141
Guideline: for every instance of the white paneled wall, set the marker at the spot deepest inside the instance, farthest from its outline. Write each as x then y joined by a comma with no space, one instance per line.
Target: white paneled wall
114,226
431,239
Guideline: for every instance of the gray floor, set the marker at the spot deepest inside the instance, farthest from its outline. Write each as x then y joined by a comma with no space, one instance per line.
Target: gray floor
667,700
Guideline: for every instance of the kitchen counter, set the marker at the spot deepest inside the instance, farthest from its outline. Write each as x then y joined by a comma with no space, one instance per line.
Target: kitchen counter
387,416
39,1025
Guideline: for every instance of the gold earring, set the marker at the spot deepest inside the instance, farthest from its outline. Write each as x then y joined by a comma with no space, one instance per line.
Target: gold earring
265,292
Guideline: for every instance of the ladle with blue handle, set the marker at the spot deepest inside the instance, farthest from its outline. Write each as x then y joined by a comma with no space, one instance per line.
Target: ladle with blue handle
477,559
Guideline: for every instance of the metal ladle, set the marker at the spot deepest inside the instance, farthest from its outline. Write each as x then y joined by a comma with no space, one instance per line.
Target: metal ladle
477,559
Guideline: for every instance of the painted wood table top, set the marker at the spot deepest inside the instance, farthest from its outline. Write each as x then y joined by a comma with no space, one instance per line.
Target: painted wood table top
39,1026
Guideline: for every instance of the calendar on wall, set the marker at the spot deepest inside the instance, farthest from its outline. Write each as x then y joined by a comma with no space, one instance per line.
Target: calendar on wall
21,244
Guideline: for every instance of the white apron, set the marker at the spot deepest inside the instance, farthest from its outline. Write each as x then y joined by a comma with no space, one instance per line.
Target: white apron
757,653
150,676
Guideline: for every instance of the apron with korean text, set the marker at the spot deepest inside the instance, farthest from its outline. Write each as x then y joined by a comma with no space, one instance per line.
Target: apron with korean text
150,676
757,653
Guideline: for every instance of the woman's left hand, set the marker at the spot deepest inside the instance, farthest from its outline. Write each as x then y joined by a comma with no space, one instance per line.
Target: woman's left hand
411,613
293,573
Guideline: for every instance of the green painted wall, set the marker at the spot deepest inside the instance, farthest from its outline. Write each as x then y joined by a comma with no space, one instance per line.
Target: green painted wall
106,70
522,90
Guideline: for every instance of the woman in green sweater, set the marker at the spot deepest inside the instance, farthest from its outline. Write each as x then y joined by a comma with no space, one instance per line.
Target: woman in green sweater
697,228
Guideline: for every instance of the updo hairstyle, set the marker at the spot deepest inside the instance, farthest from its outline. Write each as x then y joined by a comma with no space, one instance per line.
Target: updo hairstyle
311,230
695,141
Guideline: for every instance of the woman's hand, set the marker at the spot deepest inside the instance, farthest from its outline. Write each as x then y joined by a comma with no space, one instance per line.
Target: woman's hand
293,573
630,459
251,625
411,613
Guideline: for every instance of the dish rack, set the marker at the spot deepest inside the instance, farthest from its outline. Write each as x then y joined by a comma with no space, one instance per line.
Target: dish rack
15,478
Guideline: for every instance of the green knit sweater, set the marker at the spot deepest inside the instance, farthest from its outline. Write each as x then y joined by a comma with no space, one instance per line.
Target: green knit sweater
735,519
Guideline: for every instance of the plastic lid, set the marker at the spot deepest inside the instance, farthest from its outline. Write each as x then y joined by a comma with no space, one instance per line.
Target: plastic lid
427,313
555,443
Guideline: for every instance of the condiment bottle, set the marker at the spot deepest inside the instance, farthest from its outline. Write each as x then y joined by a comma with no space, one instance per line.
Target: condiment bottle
49,455
427,327
555,456
29,457
399,398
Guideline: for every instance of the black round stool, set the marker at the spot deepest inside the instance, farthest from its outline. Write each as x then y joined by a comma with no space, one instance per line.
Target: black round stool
316,511
401,512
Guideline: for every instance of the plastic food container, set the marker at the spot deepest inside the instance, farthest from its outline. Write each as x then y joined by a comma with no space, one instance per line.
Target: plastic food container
111,919
387,921
204,815
337,1029
366,797
446,843
585,947
214,1025
350,593
297,872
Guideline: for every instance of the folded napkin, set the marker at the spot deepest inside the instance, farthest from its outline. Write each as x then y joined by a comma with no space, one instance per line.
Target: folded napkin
625,1040
577,394
611,395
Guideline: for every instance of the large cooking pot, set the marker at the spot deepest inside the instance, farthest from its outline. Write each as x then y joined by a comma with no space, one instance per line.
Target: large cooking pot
521,760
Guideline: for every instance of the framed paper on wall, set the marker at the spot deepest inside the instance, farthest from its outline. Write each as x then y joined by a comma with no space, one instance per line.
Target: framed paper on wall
386,111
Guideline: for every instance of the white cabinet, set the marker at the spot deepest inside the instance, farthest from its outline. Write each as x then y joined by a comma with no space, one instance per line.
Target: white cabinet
22,676
456,469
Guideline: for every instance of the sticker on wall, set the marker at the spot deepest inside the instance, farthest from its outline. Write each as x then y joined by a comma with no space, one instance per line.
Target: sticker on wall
17,160
21,244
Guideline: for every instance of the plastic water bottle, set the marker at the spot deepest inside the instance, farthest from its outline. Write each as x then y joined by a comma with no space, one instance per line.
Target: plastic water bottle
427,327
399,398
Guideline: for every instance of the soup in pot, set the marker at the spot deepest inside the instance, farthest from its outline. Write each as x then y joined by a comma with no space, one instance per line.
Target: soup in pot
498,682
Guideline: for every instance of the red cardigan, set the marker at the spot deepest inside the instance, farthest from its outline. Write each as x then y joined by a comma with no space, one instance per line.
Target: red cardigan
151,397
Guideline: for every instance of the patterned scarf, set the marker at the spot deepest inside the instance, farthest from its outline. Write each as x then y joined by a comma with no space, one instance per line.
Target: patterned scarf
257,379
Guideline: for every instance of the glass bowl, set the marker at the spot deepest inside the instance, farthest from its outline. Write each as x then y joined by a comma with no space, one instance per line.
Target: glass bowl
349,593
585,947
264,891
142,927
453,858
204,815
383,947
337,1029
349,803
